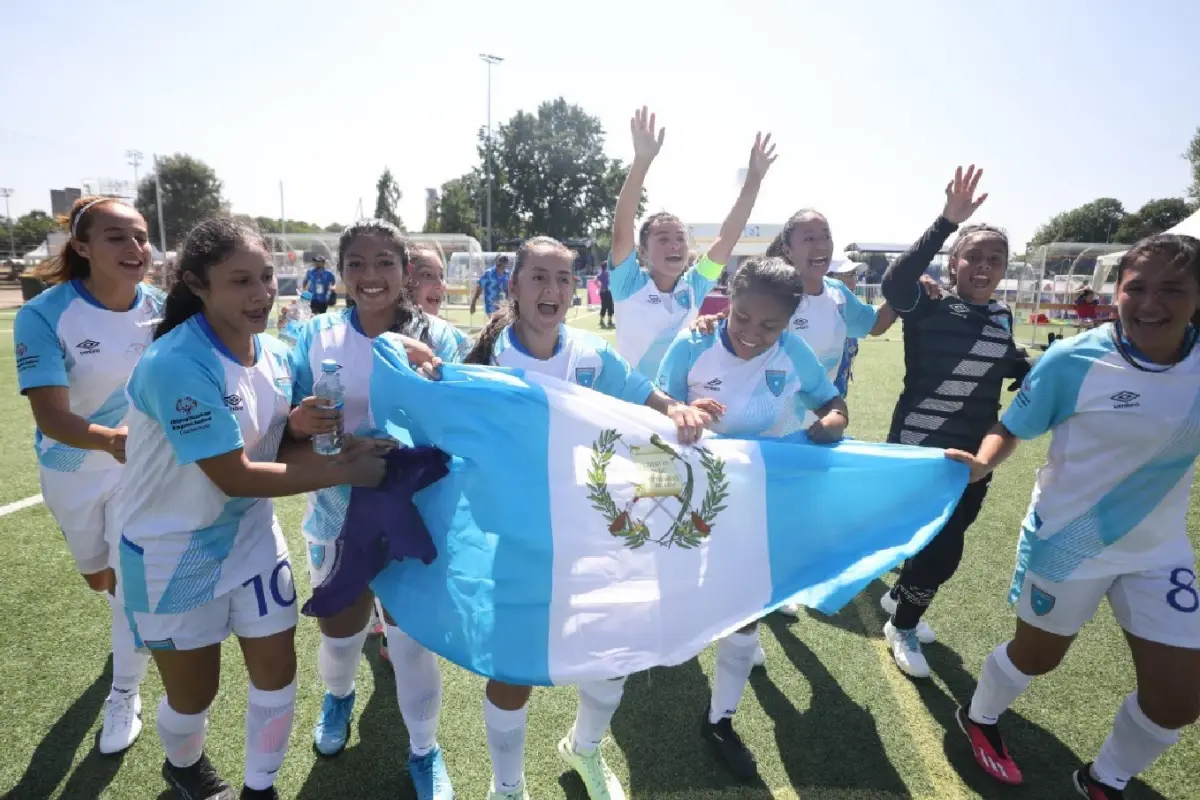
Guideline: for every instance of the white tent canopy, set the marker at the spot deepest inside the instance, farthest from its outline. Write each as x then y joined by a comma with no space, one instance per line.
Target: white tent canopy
1104,264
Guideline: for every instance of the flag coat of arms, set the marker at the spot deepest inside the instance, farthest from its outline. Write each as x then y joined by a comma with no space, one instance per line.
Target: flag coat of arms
577,540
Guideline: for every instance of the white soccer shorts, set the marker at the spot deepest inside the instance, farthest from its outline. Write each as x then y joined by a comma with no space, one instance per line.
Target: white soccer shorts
1160,605
80,504
262,606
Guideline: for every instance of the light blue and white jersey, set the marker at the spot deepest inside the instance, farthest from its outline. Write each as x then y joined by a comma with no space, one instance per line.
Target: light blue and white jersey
183,541
648,319
581,358
770,395
338,335
66,337
1112,497
827,319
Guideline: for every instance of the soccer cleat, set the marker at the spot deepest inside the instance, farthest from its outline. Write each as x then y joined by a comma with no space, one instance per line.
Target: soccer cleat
790,610
730,748
599,780
333,727
518,793
925,634
760,657
122,722
200,781
268,793
429,776
1089,787
989,749
906,650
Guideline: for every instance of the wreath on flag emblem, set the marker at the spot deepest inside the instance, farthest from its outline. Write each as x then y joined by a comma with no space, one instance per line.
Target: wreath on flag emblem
690,525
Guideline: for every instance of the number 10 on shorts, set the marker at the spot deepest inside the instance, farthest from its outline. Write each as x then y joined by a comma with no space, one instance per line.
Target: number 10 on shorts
280,585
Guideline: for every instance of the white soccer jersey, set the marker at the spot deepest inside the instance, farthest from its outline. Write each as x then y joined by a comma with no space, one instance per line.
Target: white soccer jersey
648,319
580,358
339,335
183,541
827,319
1112,497
65,337
770,395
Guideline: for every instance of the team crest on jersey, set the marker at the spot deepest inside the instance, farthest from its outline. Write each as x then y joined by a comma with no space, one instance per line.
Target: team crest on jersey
185,405
684,300
662,508
316,555
775,381
1041,601
21,350
585,376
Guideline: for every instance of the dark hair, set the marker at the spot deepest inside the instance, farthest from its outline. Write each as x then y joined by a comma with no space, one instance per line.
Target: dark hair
1176,248
651,221
68,263
207,244
410,320
779,245
966,232
481,351
769,276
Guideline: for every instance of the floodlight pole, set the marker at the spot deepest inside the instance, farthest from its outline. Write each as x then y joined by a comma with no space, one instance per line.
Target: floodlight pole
489,60
12,243
135,158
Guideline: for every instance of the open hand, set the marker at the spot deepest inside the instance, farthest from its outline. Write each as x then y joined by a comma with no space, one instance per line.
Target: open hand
960,195
762,156
645,143
979,470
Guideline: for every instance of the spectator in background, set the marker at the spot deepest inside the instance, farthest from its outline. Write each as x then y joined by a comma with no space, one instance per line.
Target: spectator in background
493,285
1085,309
606,298
319,282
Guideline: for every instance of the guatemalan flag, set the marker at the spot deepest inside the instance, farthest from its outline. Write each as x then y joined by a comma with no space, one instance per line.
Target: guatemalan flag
578,541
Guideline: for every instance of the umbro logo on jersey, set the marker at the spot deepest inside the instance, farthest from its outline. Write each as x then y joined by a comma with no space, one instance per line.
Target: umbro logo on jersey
959,309
88,346
1125,400
801,324
653,299
234,402
714,384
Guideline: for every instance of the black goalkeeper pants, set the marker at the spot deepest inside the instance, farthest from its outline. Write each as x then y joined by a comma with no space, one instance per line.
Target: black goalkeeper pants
924,573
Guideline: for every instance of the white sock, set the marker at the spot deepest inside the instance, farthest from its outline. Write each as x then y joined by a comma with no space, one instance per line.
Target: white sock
1000,684
598,701
268,728
337,661
182,735
735,660
1134,744
129,666
418,689
506,744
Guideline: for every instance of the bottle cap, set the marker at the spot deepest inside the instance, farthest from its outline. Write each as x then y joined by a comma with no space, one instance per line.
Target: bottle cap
329,365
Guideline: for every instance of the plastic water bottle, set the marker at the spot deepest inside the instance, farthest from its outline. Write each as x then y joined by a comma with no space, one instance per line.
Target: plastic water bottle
329,388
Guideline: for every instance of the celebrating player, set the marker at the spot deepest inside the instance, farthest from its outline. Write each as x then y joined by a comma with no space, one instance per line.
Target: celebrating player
426,285
655,303
1108,516
761,381
200,554
76,344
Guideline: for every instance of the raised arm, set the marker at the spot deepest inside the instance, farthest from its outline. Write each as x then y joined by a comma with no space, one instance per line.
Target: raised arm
762,156
646,145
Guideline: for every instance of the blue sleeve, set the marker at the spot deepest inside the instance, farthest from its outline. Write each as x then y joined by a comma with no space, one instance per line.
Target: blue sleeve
41,360
445,344
627,277
301,364
815,387
676,365
860,316
618,379
703,276
1048,394
187,399
462,344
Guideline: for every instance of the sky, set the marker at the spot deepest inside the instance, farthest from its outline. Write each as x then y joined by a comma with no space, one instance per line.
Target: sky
872,103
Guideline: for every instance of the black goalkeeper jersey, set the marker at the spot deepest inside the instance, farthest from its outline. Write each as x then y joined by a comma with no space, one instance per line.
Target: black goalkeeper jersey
957,355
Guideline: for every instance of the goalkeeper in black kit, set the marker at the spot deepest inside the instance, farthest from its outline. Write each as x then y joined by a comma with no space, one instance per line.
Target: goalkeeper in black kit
958,354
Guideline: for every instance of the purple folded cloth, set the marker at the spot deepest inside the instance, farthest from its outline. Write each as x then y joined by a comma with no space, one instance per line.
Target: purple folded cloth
381,524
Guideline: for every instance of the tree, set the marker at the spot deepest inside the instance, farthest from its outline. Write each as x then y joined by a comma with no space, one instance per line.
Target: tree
1193,157
1156,216
335,227
191,191
387,198
1096,221
457,209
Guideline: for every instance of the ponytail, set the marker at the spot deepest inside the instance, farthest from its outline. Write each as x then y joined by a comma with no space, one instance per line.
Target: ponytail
779,245
68,264
182,304
481,351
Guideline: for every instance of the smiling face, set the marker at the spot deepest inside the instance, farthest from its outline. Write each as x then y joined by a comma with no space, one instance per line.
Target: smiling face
1157,297
426,281
756,320
117,244
544,287
979,264
373,273
240,291
810,246
666,247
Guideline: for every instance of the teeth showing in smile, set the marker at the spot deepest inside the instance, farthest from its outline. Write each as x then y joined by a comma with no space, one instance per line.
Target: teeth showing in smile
374,291
134,264
747,345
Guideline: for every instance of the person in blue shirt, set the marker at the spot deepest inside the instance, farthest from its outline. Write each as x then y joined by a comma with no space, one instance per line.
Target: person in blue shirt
493,285
763,381
319,283
200,554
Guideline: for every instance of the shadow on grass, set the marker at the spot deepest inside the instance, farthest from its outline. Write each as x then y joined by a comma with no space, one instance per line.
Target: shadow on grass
52,758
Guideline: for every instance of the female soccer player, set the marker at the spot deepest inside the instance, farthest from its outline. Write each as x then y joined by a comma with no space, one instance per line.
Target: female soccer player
768,383
200,554
656,303
958,353
76,344
426,285
1108,516
371,258
529,333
